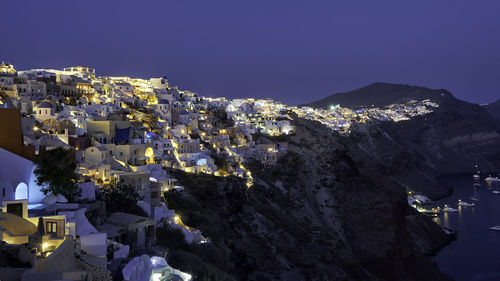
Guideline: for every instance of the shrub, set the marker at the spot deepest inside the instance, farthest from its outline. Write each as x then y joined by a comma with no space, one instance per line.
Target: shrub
191,263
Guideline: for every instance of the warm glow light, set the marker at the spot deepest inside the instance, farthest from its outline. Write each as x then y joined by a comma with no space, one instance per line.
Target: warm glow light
149,152
156,277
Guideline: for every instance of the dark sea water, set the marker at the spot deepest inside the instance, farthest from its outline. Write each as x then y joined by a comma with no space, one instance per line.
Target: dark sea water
475,255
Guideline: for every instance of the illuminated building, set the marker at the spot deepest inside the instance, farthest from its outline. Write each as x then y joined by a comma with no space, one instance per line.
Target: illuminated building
6,68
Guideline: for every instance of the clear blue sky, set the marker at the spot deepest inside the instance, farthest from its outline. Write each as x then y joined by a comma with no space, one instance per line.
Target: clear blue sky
293,51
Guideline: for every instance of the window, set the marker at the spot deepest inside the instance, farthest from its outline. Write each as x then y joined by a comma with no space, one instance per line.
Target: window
51,228
3,192
15,208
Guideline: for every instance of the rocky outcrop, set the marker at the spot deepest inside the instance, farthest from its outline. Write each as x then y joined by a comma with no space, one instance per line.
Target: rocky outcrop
335,206
452,139
327,211
494,109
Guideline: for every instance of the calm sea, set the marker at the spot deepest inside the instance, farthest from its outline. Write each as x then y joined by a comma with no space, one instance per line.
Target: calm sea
475,255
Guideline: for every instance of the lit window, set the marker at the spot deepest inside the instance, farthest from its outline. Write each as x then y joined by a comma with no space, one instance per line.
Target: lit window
51,228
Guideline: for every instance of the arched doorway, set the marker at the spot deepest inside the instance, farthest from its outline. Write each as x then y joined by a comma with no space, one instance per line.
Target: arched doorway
21,191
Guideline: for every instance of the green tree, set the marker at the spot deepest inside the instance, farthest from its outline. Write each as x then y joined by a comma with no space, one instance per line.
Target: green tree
55,169
121,198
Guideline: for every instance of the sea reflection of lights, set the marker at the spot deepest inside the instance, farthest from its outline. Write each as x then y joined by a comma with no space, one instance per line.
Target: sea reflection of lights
446,222
459,213
436,219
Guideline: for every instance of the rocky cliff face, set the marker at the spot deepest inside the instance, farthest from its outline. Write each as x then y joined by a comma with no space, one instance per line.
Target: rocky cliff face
328,211
494,109
453,139
335,207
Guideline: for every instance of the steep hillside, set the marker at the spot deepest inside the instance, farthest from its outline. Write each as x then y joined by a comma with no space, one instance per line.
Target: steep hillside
380,95
452,139
494,109
326,211
335,206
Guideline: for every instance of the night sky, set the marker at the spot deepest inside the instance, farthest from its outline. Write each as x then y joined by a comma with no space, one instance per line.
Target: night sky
292,51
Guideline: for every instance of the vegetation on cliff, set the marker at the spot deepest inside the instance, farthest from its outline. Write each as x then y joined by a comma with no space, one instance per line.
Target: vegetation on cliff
55,169
317,215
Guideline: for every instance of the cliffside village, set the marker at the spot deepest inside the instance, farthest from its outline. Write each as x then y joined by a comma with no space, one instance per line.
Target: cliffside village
134,132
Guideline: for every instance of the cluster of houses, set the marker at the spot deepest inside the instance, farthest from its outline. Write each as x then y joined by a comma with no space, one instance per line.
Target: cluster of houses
342,119
120,130
133,132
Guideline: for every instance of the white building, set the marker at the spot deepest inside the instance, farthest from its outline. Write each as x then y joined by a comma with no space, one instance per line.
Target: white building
44,110
17,180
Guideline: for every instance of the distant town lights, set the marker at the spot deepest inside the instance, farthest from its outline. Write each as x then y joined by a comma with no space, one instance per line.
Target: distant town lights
334,106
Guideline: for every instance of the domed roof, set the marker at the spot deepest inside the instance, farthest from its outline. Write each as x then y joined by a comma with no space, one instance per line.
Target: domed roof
45,104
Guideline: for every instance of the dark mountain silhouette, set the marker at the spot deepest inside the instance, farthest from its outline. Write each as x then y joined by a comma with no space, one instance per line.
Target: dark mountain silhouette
381,94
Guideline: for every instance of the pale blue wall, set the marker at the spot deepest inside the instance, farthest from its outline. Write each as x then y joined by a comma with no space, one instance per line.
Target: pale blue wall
16,170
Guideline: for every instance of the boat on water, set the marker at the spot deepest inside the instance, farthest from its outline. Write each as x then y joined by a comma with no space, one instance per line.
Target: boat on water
496,227
449,209
492,179
464,204
477,173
